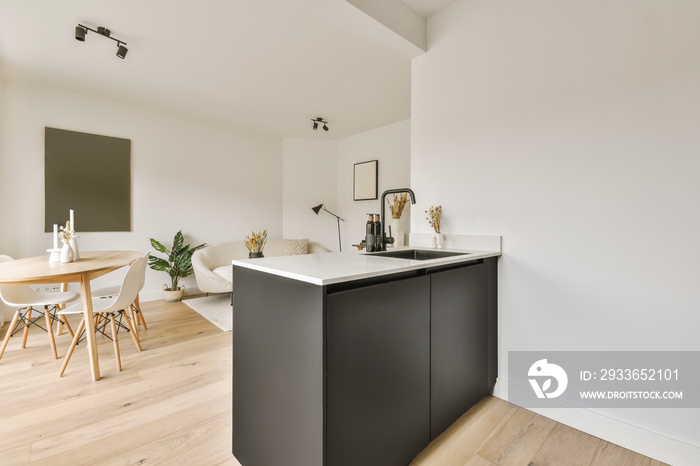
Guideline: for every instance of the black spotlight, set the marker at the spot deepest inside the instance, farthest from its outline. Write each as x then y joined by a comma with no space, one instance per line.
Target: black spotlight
319,120
80,33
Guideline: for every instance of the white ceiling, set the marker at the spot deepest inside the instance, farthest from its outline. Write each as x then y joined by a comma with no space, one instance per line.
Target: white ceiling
262,65
428,8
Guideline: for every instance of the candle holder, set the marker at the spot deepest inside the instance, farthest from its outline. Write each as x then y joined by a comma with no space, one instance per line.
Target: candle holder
55,255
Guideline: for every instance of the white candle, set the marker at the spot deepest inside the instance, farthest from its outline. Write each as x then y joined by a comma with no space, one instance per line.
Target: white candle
55,236
72,220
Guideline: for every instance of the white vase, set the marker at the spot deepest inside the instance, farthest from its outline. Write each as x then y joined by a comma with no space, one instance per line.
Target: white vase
66,253
438,241
397,233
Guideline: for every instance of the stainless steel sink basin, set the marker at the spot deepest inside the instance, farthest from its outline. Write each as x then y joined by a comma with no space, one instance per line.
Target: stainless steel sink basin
416,254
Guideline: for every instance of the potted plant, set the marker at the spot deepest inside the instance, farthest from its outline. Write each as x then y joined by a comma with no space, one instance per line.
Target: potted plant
396,212
178,264
255,243
434,214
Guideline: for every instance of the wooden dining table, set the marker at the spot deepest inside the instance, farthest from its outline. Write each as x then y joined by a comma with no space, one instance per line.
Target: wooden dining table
92,264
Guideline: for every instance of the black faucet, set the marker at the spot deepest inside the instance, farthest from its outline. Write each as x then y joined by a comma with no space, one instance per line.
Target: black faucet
388,239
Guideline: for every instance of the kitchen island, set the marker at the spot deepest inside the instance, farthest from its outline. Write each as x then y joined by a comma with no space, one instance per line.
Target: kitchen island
347,359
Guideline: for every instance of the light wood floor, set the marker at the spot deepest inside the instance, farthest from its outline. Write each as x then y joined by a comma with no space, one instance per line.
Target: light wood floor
171,405
492,433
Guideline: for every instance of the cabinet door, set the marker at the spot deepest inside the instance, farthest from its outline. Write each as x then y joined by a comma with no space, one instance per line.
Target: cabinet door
459,343
378,373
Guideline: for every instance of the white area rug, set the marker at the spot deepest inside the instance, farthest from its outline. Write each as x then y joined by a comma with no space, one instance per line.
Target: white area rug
216,309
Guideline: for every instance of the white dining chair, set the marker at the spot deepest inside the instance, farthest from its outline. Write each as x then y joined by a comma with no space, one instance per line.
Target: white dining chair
111,309
112,291
29,304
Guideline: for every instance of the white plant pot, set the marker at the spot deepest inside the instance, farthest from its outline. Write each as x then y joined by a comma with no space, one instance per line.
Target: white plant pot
438,241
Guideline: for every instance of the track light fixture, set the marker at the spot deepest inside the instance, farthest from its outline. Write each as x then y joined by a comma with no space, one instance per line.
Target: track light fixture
320,120
81,32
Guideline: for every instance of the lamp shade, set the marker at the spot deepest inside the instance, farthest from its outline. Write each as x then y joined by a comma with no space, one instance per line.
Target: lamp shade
80,33
121,51
317,209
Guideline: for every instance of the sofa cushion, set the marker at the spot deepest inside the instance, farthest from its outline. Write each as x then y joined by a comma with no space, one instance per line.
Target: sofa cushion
296,247
225,272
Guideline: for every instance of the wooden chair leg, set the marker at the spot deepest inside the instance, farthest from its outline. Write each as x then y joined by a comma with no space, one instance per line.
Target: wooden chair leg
139,313
68,327
25,334
72,347
116,342
49,330
9,333
134,336
134,323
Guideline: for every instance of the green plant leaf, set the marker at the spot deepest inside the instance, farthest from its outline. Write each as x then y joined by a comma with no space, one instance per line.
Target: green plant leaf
158,246
177,241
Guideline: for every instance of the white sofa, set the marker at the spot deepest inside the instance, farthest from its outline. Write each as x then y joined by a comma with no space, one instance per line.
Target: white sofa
212,263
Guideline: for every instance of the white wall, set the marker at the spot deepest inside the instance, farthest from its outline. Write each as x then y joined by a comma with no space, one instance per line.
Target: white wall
571,129
309,167
212,182
391,145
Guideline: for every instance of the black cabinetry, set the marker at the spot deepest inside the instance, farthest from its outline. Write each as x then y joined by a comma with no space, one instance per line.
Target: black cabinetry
366,372
458,343
378,373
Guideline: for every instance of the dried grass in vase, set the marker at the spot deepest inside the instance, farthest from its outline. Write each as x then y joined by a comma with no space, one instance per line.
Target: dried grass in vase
434,217
256,241
398,206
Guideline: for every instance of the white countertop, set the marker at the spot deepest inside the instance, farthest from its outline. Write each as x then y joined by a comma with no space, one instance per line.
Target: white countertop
339,267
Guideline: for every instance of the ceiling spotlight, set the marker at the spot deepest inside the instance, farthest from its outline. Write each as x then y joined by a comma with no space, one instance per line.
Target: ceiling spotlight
81,32
320,120
121,51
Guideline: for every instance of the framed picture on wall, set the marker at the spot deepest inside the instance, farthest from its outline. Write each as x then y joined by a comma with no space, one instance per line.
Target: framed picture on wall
88,173
365,181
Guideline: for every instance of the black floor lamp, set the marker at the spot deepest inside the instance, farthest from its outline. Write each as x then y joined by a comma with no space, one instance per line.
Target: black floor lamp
318,208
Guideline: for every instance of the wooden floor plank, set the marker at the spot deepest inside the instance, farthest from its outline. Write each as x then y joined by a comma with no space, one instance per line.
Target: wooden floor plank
458,443
516,442
477,460
608,454
566,446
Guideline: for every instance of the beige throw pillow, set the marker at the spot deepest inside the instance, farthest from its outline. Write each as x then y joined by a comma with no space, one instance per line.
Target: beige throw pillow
296,247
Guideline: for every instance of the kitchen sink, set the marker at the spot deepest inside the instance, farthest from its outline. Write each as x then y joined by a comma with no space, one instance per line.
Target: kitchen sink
416,254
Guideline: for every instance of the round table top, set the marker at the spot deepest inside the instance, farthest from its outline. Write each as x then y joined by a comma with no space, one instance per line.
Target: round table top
39,270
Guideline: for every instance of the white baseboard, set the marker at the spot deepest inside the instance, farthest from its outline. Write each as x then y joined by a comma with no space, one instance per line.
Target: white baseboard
632,437
153,295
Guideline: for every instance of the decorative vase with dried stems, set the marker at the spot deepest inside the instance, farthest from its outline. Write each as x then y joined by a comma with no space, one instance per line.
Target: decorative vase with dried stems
255,243
396,212
178,265
67,236
433,218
